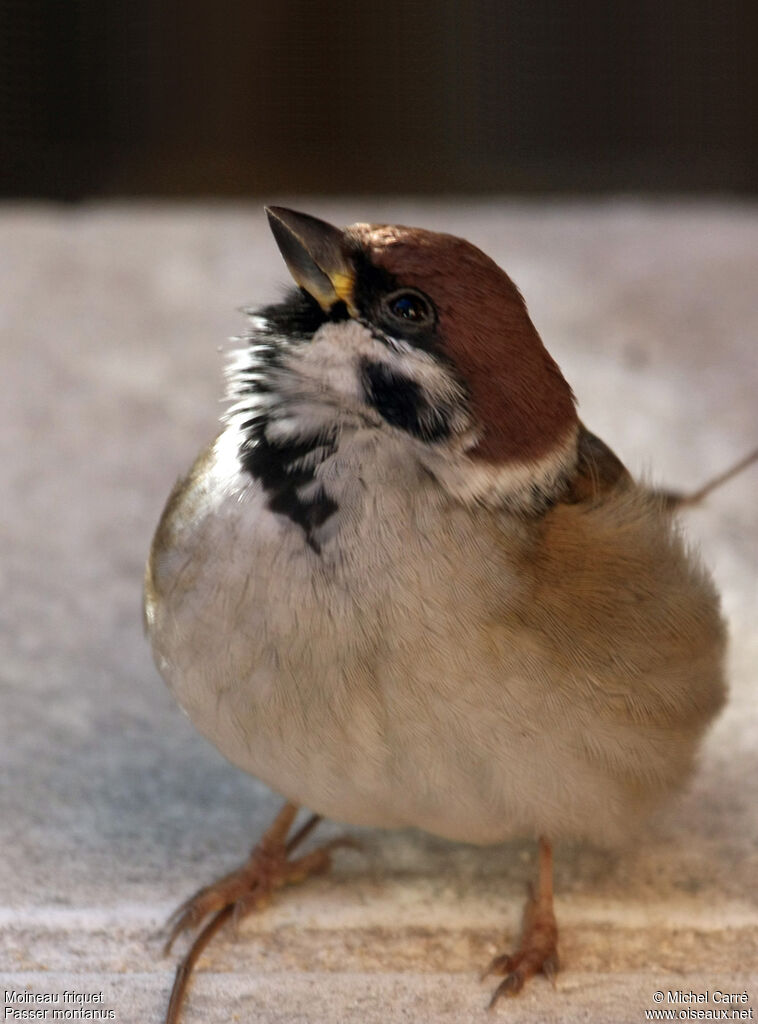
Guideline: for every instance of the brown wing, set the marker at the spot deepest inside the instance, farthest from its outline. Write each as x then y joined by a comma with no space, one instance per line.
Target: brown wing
598,470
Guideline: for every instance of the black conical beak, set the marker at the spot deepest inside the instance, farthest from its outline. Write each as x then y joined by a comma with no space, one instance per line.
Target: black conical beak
315,254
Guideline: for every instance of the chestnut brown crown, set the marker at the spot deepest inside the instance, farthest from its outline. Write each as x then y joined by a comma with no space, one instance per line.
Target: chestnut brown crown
517,393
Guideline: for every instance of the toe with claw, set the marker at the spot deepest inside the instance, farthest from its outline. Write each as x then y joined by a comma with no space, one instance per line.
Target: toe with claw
269,868
538,948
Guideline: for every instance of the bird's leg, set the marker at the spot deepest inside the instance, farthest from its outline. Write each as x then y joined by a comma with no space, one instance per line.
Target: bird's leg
268,868
538,948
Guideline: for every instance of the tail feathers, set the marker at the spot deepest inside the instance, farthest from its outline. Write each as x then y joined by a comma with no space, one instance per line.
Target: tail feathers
673,500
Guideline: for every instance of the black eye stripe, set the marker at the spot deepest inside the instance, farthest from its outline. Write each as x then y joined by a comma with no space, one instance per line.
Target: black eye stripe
374,286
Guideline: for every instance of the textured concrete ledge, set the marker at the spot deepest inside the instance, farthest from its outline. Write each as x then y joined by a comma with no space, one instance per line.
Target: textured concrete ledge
114,810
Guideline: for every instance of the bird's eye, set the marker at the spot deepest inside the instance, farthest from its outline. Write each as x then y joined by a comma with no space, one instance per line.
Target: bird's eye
410,307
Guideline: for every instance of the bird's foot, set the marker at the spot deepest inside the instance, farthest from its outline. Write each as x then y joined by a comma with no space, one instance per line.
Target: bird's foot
249,888
538,948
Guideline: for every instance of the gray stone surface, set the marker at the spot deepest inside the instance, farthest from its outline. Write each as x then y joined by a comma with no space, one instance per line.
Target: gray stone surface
113,809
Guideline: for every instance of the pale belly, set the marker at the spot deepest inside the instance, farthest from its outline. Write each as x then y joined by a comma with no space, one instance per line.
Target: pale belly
377,691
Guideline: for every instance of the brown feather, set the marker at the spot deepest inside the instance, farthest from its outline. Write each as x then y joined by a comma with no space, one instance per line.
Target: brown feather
598,470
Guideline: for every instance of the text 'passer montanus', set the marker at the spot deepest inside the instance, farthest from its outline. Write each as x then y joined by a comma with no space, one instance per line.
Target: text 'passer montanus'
406,586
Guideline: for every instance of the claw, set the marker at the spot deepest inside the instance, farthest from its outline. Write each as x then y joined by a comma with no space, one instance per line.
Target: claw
550,968
498,965
511,985
187,916
537,949
240,892
184,970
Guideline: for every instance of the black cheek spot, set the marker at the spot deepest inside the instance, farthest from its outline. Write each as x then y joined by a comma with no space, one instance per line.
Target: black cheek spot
402,403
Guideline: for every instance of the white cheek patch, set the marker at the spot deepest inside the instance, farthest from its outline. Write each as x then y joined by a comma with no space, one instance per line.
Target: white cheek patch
438,386
331,361
319,394
291,393
338,349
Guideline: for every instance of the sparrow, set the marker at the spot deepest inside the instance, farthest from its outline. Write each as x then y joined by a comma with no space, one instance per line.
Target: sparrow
406,586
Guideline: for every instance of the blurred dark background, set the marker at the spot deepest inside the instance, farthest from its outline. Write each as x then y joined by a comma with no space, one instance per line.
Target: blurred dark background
104,98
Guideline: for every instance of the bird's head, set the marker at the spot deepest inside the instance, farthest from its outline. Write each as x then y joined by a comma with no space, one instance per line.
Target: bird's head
411,331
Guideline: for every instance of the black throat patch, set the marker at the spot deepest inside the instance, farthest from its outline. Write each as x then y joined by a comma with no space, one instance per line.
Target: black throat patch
285,469
287,472
297,316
